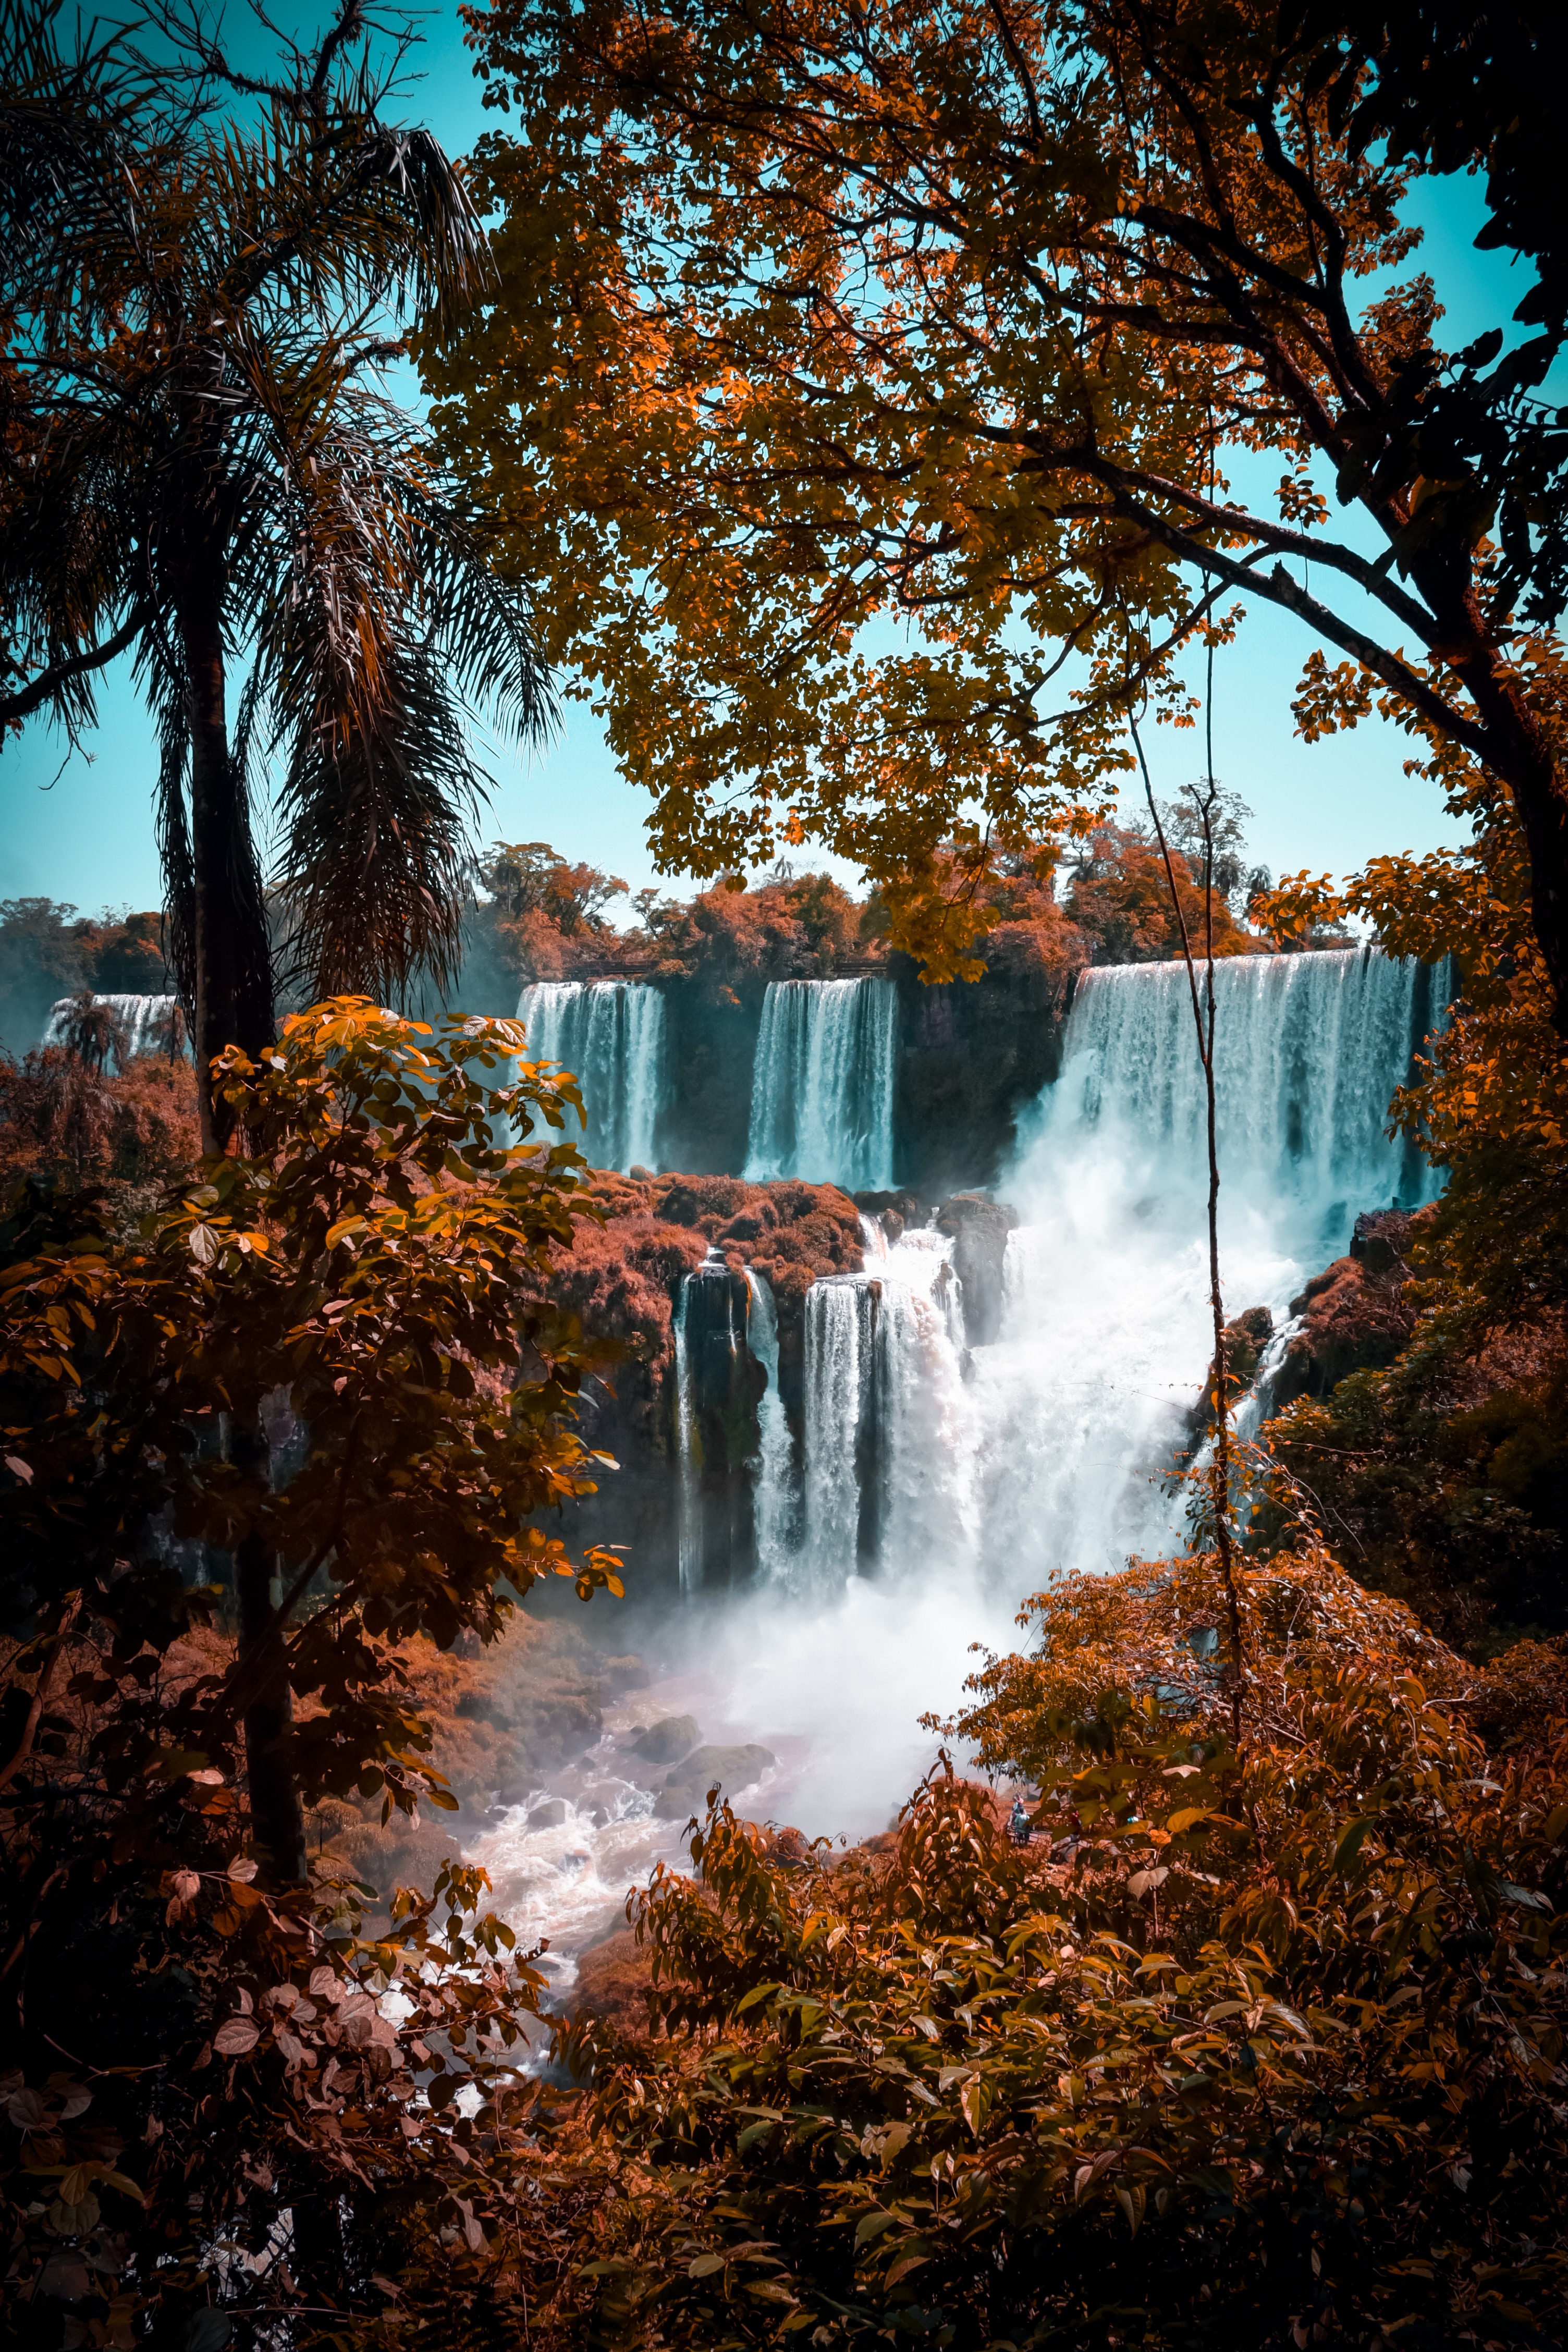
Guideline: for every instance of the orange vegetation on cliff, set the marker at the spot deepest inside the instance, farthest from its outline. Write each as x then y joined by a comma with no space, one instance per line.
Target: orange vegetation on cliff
58,1113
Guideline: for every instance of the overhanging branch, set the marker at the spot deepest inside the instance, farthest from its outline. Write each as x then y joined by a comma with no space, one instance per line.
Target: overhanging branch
15,708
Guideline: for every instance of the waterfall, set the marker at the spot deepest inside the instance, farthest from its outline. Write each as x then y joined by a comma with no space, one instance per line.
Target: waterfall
150,1024
822,1083
774,1507
688,1527
1309,1050
888,1478
1106,1333
1045,1448
840,1328
610,1035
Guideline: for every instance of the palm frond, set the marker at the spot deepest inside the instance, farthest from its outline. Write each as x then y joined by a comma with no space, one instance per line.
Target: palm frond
377,814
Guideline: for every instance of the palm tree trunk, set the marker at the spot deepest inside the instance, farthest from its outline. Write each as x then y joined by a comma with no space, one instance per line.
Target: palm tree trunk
233,988
231,956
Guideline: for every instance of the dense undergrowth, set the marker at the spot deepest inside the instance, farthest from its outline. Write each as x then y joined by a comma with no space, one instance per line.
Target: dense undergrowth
1259,2039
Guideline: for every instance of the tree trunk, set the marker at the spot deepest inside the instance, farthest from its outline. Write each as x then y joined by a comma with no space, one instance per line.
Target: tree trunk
233,976
276,1820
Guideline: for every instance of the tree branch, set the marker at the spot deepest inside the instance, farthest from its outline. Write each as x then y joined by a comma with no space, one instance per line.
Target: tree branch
15,708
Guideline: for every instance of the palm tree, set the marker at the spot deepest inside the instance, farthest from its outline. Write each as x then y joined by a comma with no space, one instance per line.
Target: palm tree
201,278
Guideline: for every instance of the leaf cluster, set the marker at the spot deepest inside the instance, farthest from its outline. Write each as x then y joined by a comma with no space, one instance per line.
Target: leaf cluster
1268,2037
357,1272
861,390
212,2102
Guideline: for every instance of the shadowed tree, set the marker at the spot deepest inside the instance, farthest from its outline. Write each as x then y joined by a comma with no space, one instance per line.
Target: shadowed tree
202,274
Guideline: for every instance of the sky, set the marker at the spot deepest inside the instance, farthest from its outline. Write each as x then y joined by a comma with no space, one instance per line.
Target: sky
78,827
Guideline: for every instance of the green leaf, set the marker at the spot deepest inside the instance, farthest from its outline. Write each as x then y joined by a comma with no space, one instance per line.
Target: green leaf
1349,1843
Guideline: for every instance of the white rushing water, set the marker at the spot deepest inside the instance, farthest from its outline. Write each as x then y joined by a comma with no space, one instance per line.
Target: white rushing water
1105,1332
935,1483
610,1035
774,1511
150,1024
1045,1448
822,1083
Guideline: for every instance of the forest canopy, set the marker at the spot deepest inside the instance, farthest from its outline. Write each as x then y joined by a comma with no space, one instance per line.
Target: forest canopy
863,391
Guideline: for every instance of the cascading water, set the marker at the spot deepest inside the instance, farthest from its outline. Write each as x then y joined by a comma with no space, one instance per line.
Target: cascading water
774,1507
1309,1050
610,1035
888,1476
936,1481
688,1527
1046,1447
150,1024
1106,1331
822,1083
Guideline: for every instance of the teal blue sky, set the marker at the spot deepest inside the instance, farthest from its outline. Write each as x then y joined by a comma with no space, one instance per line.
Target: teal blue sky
78,827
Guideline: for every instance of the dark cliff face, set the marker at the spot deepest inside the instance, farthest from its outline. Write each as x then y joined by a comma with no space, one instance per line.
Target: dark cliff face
712,1044
971,1056
624,1281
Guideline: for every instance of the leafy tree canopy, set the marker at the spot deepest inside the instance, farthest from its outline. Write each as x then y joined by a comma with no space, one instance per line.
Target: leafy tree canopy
358,1269
864,387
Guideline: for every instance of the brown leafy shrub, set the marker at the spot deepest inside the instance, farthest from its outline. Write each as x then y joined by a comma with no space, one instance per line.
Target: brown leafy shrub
61,1115
1263,2044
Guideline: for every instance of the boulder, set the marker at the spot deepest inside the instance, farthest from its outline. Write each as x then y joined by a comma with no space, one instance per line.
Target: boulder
980,1228
600,1802
1246,1337
734,1768
1380,1243
615,1976
666,1741
894,1212
549,1816
1354,1321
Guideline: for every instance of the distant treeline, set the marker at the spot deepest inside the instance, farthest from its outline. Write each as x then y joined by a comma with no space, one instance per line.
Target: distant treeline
48,951
534,916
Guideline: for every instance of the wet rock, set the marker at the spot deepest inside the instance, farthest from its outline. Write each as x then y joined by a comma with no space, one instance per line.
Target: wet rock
894,1212
1246,1337
666,1741
1380,1243
733,1769
548,1816
601,1802
1354,1322
980,1228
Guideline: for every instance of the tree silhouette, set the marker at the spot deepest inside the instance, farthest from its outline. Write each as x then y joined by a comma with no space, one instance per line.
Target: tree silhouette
203,273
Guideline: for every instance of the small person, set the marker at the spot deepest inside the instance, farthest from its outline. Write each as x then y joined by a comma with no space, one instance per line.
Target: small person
1019,1827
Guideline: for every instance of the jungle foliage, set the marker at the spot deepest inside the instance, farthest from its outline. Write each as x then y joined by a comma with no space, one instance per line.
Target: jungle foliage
349,1287
1260,2041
